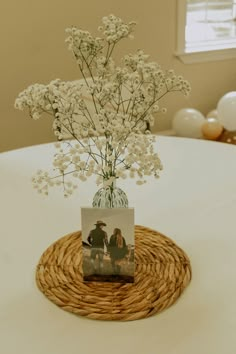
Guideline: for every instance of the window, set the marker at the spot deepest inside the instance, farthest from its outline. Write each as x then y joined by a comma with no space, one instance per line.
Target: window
206,30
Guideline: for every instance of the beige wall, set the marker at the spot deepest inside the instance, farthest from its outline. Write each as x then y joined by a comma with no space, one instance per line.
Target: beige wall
33,50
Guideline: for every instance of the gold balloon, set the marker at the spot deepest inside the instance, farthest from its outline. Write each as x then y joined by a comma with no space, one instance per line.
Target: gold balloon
212,114
212,129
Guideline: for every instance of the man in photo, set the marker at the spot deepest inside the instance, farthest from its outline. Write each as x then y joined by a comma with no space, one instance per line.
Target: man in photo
97,239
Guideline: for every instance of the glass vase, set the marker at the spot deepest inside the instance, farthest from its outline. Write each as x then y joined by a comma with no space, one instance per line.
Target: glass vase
110,197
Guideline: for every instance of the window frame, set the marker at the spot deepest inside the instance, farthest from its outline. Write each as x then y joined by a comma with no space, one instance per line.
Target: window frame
221,53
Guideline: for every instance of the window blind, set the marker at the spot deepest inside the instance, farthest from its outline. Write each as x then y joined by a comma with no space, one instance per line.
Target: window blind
210,24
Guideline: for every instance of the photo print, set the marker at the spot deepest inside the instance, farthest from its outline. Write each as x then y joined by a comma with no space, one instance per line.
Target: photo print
108,244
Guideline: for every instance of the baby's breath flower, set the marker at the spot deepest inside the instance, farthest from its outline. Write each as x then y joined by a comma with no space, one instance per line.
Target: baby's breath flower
109,113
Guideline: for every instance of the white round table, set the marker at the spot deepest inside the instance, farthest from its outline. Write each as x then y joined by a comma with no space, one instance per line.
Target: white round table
194,203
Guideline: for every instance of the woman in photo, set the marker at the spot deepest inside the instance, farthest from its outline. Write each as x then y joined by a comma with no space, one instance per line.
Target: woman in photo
118,250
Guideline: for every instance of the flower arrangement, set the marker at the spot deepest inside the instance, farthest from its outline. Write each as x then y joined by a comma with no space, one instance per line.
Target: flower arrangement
107,113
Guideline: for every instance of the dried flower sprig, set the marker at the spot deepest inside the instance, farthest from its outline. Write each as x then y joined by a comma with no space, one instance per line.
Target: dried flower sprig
108,112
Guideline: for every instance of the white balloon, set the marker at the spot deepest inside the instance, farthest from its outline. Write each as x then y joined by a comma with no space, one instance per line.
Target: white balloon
227,111
188,122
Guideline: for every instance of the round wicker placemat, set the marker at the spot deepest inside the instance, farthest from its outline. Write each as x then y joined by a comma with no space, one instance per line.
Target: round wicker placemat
162,272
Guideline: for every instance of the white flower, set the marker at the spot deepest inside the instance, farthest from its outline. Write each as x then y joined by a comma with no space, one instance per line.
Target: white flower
109,113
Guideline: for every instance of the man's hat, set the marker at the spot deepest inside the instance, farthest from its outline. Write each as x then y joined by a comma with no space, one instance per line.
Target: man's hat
99,222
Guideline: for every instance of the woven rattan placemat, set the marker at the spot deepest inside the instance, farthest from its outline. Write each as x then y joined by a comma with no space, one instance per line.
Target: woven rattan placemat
162,272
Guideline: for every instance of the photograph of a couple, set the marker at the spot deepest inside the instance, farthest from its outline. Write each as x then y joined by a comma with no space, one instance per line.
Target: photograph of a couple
108,244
